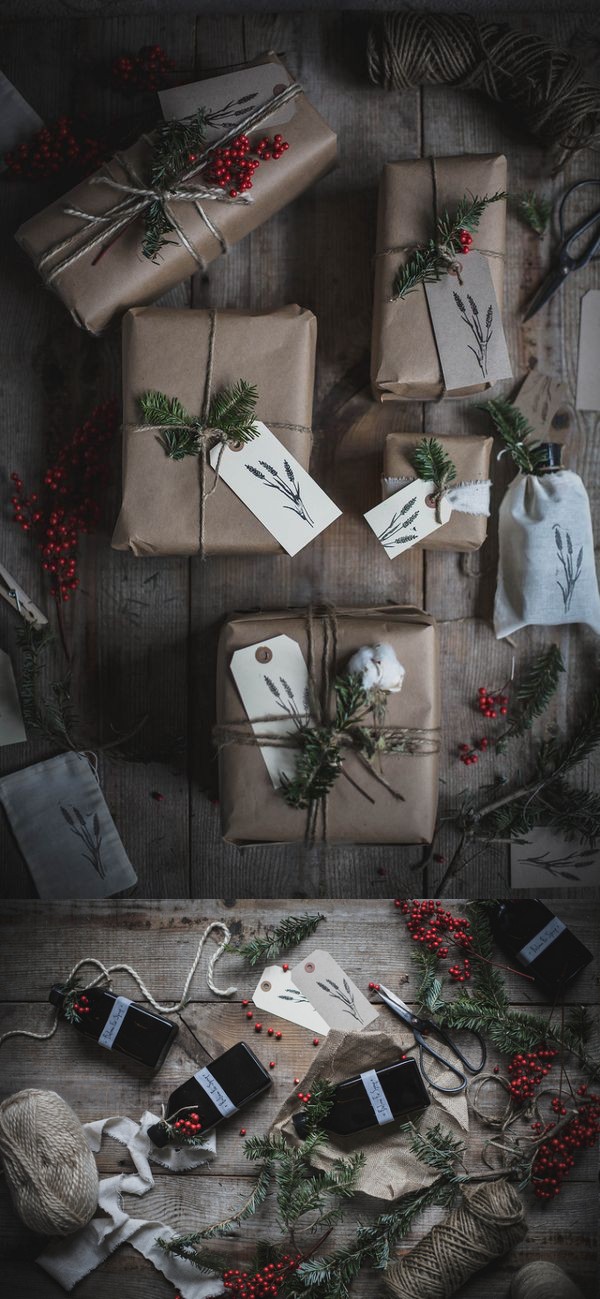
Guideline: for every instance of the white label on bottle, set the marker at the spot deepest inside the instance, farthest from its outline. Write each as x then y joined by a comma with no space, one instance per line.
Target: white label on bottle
213,1089
377,1096
546,936
114,1021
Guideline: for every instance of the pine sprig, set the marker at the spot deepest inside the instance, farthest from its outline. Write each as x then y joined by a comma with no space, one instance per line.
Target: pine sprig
231,414
436,1147
288,933
52,714
172,144
516,433
429,263
433,464
534,694
535,210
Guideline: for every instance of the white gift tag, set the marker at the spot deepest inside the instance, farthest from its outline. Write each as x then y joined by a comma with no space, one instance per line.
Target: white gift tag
272,678
332,992
547,858
588,370
12,730
277,993
467,325
275,487
407,517
231,96
538,399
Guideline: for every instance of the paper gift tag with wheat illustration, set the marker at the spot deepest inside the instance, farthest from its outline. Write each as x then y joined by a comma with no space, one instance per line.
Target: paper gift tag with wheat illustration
229,98
273,484
467,325
277,994
545,858
406,517
64,829
272,679
332,992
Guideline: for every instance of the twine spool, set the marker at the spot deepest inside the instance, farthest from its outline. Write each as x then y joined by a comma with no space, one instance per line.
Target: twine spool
543,1281
489,1222
50,1170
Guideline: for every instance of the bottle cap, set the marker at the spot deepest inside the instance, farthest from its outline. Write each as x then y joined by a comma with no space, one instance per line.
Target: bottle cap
56,994
158,1134
554,452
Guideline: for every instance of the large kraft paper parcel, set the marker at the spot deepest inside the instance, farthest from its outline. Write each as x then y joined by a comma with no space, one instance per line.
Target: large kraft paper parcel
404,360
253,811
166,350
471,457
96,290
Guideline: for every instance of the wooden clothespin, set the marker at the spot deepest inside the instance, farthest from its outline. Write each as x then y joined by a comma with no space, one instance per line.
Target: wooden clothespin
18,599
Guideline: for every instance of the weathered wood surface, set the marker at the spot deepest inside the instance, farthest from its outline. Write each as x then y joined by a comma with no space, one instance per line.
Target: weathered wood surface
159,940
144,631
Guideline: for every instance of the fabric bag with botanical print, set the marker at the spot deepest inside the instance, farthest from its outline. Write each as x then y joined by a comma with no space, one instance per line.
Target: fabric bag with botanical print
64,829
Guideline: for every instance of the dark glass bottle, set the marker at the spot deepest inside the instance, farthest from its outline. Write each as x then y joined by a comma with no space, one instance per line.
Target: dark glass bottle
117,1023
373,1098
216,1091
539,942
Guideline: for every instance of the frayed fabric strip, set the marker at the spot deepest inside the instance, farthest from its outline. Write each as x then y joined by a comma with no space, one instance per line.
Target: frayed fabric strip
465,498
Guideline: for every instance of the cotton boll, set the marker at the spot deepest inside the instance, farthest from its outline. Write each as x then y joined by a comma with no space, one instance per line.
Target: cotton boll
377,665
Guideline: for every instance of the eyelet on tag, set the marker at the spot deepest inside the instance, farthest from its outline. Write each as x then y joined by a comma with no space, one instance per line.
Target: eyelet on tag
266,986
279,89
263,654
235,446
430,501
309,967
455,269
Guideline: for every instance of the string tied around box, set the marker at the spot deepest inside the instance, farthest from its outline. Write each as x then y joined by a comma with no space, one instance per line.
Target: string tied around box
136,198
105,977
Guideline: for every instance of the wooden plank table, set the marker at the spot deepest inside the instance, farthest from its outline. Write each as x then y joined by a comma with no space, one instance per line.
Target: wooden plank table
159,940
144,632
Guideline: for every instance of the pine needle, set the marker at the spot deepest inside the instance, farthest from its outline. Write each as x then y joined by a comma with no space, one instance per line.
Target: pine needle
428,264
535,210
516,433
288,933
231,414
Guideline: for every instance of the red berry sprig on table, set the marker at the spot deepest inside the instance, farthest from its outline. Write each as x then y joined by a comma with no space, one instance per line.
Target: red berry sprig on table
428,923
556,1155
149,69
82,1006
69,502
465,240
528,1070
491,705
232,166
260,1285
188,1127
65,146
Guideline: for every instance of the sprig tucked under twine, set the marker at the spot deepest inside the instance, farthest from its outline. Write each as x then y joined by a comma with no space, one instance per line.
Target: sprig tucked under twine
105,977
529,454
438,255
433,464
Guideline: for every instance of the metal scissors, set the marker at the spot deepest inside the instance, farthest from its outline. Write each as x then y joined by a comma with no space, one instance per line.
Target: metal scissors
421,1030
567,260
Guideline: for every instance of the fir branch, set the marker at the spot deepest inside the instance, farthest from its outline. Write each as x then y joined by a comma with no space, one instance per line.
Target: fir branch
433,464
534,694
231,414
52,714
322,1097
172,144
535,210
517,434
288,933
436,1147
232,411
428,263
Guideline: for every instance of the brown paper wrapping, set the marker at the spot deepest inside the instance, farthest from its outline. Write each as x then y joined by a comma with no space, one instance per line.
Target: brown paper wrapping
471,455
123,277
404,359
166,349
390,1168
252,811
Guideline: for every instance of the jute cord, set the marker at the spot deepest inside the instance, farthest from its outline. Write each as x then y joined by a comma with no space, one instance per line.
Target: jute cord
49,1168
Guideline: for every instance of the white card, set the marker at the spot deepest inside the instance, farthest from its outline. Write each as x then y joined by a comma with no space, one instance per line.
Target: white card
277,993
272,678
406,517
468,325
544,858
275,487
332,992
539,398
231,96
588,369
12,730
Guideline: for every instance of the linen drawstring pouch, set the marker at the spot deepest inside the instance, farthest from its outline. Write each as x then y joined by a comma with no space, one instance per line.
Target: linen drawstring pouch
64,829
546,568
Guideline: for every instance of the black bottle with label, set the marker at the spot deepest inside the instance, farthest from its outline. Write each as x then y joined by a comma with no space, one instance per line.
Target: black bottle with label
216,1091
539,942
117,1023
372,1099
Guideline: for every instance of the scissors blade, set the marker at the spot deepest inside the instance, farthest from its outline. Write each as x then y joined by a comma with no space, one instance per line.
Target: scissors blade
396,1004
546,291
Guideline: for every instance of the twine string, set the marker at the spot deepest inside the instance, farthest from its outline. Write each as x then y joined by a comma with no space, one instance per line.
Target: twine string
106,972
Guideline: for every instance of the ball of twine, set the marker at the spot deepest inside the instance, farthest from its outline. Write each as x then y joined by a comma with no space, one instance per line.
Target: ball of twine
543,86
489,1222
50,1170
541,1280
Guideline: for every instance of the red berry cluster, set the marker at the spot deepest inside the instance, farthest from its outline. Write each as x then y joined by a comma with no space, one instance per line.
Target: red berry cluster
234,164
526,1072
64,146
490,704
267,1281
430,924
189,1127
304,1096
465,240
556,1156
70,501
82,1006
149,69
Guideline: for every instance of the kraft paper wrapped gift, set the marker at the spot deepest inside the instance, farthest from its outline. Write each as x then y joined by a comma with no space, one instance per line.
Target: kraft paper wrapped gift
166,349
122,277
471,457
254,811
404,358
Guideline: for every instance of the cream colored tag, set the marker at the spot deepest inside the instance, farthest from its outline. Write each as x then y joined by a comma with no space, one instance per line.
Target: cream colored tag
588,365
272,679
277,993
545,859
332,993
467,325
232,96
407,517
538,399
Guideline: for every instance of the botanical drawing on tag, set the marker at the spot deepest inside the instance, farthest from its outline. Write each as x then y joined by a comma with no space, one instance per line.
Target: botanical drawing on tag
345,995
90,835
289,489
292,994
290,707
332,992
571,567
482,335
395,533
547,857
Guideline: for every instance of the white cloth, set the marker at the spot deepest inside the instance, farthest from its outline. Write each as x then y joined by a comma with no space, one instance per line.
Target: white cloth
466,498
546,568
74,1257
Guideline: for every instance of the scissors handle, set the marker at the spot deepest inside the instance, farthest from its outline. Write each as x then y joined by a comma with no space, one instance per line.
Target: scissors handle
566,257
472,1068
426,1049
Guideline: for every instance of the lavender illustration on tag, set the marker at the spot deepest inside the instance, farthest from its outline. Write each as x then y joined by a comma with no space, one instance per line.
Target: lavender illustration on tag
571,567
91,837
290,489
481,334
564,867
293,994
345,995
288,705
394,533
